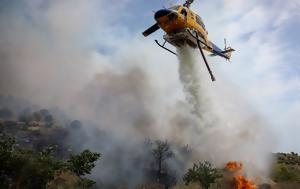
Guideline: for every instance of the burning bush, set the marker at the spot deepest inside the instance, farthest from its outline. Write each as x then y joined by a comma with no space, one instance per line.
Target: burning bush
235,174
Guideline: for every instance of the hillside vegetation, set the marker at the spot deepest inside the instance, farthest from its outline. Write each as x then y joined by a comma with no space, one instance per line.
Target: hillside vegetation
36,152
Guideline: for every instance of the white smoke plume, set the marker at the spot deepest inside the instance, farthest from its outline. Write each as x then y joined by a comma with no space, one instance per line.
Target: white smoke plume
227,128
46,59
189,77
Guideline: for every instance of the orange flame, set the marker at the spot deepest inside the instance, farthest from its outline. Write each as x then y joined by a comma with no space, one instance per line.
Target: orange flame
239,181
234,166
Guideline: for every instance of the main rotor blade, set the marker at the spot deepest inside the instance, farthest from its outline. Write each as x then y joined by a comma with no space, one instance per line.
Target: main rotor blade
150,30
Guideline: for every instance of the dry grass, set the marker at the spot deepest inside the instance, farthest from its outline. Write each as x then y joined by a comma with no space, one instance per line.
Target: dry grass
65,180
286,186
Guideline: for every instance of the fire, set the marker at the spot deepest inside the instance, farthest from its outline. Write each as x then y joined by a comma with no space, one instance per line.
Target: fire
239,181
242,183
234,166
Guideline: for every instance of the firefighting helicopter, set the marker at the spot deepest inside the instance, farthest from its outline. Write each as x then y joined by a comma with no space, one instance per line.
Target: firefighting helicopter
183,26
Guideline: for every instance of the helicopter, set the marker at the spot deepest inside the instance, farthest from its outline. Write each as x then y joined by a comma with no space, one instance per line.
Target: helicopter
182,26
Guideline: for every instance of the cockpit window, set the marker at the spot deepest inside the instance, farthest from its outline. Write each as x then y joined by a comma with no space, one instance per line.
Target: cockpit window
175,7
199,21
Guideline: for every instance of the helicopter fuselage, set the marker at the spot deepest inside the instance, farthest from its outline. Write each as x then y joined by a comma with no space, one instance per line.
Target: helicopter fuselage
176,20
184,27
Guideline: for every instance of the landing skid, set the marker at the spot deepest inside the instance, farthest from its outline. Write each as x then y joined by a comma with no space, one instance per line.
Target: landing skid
203,56
163,46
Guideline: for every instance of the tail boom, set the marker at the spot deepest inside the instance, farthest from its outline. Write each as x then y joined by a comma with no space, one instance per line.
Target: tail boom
216,51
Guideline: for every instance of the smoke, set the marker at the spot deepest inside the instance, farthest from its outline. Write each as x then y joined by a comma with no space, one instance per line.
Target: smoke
193,82
227,128
47,58
189,77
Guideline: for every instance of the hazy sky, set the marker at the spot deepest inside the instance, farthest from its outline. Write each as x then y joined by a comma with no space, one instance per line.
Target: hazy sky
264,70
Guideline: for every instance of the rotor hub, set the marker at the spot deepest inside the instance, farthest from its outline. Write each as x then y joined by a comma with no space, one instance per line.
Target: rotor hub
188,3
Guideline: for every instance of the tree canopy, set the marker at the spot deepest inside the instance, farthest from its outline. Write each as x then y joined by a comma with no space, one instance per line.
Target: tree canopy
26,169
203,173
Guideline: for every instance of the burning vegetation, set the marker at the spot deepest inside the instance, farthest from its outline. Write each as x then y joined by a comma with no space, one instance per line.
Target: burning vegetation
239,181
151,164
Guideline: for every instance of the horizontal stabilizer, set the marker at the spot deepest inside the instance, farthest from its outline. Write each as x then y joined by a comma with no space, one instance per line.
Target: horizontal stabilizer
150,30
228,50
226,53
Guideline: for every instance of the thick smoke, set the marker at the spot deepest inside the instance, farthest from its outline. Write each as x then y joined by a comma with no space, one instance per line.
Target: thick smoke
189,77
46,58
193,84
227,128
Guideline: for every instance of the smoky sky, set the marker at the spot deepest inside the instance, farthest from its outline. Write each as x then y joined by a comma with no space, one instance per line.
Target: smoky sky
49,57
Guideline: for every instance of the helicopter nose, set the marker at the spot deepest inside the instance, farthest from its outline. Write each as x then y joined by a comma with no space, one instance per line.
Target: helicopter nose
161,13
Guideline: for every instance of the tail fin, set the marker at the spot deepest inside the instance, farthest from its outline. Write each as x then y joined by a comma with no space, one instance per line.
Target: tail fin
228,52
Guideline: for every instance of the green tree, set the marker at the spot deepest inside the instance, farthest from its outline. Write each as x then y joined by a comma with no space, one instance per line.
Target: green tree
49,120
6,148
85,183
24,168
203,173
76,124
6,113
26,116
285,173
83,163
30,170
37,116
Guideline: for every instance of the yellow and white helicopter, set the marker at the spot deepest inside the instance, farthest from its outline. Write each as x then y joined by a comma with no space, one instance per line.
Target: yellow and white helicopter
183,26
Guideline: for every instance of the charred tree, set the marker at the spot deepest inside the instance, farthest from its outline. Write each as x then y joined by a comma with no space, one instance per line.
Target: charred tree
161,152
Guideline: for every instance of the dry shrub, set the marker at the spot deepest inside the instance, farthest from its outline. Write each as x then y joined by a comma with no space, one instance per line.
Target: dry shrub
64,180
